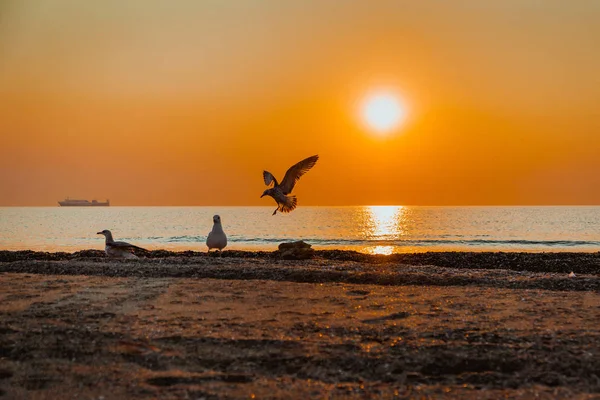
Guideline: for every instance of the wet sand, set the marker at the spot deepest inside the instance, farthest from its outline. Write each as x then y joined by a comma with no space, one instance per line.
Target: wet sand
343,325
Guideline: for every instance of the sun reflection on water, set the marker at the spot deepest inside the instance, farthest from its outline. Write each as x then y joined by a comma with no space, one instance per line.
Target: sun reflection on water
385,250
384,223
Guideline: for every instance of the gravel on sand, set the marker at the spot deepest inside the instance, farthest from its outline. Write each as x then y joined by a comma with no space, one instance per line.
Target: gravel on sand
342,325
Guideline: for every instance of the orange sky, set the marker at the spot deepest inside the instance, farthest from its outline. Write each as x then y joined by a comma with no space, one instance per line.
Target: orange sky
186,102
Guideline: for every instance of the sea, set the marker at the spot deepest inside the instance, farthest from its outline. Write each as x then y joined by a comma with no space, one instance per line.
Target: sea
368,229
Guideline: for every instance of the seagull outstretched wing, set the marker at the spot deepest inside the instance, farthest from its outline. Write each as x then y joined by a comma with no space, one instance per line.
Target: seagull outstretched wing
295,172
268,177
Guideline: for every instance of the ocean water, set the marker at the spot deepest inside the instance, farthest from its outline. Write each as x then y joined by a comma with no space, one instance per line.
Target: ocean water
369,229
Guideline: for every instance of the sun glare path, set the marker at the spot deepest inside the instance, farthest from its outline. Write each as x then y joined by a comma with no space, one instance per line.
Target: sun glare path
384,224
384,250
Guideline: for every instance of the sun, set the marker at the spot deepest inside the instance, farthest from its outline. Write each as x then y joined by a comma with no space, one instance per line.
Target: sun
383,112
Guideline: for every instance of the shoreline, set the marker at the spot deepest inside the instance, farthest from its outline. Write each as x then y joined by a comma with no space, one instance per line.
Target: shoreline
375,249
550,271
552,262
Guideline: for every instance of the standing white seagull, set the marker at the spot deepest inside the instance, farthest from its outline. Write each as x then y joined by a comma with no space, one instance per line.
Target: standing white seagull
118,249
216,238
280,191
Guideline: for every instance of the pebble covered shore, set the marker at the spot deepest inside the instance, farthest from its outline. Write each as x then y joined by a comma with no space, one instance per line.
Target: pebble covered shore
340,325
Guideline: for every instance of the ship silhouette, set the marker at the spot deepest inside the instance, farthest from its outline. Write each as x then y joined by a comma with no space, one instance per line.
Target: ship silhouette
83,203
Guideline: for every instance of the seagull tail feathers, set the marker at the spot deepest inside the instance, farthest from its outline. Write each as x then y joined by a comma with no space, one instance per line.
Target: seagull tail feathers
290,204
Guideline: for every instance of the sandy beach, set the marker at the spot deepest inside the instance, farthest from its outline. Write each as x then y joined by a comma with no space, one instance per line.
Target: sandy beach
342,325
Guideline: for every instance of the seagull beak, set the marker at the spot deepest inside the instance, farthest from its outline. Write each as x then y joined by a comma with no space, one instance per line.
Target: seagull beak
262,195
99,233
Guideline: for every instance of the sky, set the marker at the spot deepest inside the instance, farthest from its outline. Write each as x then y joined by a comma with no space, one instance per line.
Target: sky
171,103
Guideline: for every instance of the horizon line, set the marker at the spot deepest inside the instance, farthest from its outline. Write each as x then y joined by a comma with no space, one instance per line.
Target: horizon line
314,206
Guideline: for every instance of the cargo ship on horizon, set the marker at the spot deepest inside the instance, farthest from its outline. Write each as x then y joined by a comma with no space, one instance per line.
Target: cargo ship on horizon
83,203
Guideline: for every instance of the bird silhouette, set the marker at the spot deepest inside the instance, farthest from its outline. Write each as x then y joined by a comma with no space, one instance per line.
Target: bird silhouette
280,192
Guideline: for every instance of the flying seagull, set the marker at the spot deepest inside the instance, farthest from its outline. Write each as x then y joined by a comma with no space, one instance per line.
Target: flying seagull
216,238
280,191
118,249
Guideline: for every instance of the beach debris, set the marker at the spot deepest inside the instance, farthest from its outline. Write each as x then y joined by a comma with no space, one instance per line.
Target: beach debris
216,238
299,250
280,191
572,275
118,249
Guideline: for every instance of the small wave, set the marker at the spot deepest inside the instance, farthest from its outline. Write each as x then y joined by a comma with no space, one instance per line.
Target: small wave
395,242
186,239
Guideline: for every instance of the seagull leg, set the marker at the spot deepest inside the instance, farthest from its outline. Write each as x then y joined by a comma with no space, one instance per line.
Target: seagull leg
220,253
275,212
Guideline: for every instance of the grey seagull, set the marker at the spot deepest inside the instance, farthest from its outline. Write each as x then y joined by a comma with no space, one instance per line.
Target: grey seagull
118,249
281,191
216,238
